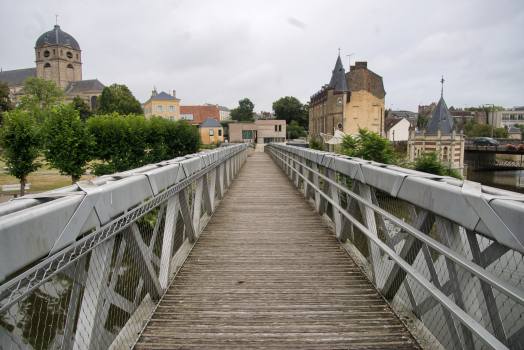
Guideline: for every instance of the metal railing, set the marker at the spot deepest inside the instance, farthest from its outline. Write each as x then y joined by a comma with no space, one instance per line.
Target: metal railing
84,267
447,255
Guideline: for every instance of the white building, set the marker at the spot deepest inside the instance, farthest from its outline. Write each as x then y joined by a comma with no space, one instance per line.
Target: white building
508,118
397,129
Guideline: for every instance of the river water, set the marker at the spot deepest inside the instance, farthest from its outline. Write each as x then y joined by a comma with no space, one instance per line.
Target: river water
511,180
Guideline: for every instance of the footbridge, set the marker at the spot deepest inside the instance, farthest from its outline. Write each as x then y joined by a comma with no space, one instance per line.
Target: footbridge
288,248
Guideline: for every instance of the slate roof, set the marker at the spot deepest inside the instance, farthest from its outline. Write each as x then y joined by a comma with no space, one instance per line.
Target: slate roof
402,114
338,78
441,116
83,86
164,96
514,130
210,123
222,108
17,76
57,36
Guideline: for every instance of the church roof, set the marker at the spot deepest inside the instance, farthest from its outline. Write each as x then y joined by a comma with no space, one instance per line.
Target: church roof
164,96
442,116
17,76
83,86
210,123
338,78
57,36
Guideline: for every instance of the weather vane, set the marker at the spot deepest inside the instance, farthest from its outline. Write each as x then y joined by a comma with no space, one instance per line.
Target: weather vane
56,19
442,91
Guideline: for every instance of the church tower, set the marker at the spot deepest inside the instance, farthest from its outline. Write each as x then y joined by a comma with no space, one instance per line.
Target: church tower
58,57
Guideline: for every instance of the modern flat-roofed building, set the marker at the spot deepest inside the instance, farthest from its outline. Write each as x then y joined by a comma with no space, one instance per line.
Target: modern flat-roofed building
259,132
507,118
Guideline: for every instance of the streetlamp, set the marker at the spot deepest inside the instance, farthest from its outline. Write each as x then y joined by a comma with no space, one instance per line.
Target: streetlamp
492,116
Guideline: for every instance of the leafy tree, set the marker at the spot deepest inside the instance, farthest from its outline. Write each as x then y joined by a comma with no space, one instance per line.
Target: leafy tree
451,108
244,111
368,145
68,142
83,109
315,144
289,108
39,97
182,138
20,139
421,121
295,131
5,100
500,133
118,99
472,128
428,162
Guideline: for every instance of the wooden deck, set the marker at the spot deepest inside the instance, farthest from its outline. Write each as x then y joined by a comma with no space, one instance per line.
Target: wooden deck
267,273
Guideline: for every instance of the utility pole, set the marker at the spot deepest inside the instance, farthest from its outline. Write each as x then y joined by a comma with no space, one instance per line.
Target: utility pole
492,116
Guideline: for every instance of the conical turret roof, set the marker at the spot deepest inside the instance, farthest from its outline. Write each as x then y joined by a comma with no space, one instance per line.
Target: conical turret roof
338,78
442,116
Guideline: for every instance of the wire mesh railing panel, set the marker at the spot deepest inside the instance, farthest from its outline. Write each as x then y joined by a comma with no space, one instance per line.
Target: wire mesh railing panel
99,292
453,287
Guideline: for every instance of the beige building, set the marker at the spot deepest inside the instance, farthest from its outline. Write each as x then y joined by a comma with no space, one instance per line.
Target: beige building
349,101
211,131
441,136
508,118
58,58
162,105
259,132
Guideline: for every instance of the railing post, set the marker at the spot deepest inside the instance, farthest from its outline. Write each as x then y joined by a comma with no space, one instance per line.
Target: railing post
168,240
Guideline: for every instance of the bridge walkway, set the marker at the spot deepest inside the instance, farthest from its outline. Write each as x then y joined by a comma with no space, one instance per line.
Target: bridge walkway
267,273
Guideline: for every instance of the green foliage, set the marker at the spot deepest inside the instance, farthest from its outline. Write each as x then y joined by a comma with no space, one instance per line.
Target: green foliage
5,100
118,99
82,108
421,121
68,142
294,130
369,146
20,139
244,111
40,97
182,138
472,128
487,109
429,163
290,109
315,144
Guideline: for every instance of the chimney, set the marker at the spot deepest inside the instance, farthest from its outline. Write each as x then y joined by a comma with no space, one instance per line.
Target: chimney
174,93
365,64
351,68
153,94
217,105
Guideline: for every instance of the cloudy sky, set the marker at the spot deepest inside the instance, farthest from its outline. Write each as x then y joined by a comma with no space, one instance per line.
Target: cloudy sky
223,51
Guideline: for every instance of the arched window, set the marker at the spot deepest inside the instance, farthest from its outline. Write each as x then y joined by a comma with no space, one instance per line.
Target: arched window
46,53
47,65
445,154
70,66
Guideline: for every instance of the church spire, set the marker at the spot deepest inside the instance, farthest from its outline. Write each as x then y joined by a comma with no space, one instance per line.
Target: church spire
442,89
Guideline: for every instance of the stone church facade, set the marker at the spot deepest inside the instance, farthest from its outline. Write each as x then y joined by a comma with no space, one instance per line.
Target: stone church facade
58,58
350,100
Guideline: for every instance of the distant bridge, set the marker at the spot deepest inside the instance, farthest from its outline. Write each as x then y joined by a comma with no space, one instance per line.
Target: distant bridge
221,250
485,156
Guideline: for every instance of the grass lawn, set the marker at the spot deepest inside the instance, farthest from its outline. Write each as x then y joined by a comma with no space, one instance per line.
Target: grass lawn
42,182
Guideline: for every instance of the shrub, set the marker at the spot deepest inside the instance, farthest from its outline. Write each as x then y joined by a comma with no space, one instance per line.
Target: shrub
315,144
511,147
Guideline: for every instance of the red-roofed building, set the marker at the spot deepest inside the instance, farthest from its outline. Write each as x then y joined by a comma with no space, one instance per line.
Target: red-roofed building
199,114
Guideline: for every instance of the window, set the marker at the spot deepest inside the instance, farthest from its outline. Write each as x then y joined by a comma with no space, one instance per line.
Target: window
38,54
247,134
171,108
46,53
521,116
219,132
70,66
159,108
54,52
280,128
276,128
513,117
505,117
186,116
61,52
76,56
47,65
69,55
211,132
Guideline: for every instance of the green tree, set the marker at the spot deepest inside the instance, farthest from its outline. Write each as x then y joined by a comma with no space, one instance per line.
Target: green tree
368,145
156,139
472,128
244,111
428,162
20,139
68,142
289,108
5,99
295,131
521,128
421,121
39,97
182,138
83,109
315,144
118,99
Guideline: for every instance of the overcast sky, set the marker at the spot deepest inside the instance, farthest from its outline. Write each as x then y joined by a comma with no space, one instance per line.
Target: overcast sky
223,51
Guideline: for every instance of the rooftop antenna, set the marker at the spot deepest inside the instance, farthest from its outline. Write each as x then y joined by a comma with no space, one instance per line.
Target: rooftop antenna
56,19
442,91
350,58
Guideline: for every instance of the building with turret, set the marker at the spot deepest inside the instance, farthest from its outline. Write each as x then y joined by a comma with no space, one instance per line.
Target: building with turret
350,100
58,58
440,135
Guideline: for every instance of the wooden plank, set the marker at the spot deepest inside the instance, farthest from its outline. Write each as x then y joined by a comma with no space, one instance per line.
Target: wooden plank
267,273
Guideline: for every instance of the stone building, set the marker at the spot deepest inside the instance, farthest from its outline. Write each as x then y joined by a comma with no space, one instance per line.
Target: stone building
441,135
162,105
224,112
58,58
350,100
211,131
